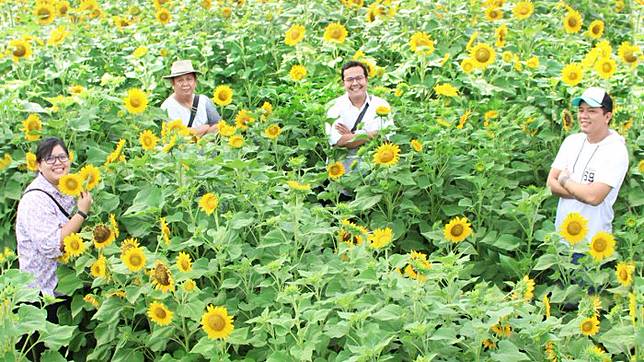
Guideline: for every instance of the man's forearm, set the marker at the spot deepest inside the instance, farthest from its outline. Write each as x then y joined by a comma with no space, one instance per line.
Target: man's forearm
557,189
592,194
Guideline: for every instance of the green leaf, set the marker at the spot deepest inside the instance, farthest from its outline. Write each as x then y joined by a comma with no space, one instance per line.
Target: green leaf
52,356
507,242
68,281
56,336
241,220
388,313
365,203
204,347
30,318
507,351
109,311
545,262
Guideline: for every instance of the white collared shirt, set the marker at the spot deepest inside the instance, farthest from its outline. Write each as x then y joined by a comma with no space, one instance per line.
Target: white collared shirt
344,112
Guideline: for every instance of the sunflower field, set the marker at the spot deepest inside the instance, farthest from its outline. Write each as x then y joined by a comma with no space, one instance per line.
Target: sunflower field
237,246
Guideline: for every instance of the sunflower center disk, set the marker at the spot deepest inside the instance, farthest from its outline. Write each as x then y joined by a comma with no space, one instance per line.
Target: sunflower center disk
573,228
599,245
20,51
457,230
216,322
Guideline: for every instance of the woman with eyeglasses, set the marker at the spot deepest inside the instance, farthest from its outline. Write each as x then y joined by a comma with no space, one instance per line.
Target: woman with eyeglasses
45,216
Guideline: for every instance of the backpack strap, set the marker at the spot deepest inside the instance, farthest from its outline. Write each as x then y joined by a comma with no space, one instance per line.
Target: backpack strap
360,116
60,207
193,110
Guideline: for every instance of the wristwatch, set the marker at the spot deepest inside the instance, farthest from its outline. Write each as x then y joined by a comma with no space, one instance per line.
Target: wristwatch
84,215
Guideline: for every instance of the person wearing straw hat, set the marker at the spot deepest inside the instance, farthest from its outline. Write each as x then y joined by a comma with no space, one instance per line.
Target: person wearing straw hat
590,166
196,111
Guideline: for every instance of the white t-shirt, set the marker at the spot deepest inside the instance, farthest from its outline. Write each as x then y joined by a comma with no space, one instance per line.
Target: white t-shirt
342,111
605,162
177,111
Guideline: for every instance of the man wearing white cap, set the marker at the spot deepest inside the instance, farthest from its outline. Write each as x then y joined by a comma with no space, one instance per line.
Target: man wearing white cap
590,166
197,112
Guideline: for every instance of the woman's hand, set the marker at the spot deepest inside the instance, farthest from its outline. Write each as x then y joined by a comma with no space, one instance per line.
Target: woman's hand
84,202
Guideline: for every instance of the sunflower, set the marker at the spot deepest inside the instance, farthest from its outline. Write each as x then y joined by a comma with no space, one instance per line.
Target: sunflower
446,89
163,16
546,306
165,230
501,33
161,277
30,159
589,326
488,344
502,329
148,140
416,145
188,285
206,4
382,111
243,119
418,262
294,34
335,170
136,101
629,53
91,176
71,184
567,121
632,307
596,29
128,244
31,124
605,67
524,289
335,33
236,141
272,131
74,245
140,52
297,186
467,65
532,62
297,72
184,263
133,258
226,12
624,273
103,236
99,267
159,313
572,21
267,108
176,127
523,9
457,229
387,154
57,36
44,13
225,129
493,14
421,43
217,323
602,245
62,7
76,89
574,228
208,203
90,299
572,74
223,95
381,238
482,55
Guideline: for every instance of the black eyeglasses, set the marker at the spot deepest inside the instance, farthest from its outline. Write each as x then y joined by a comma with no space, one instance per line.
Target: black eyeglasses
52,159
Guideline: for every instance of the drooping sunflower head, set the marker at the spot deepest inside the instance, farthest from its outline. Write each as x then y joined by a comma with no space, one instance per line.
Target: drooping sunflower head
421,43
103,236
136,101
629,53
494,13
335,170
165,230
62,7
161,277
416,145
223,95
57,36
159,313
217,323
335,33
596,29
32,123
602,245
567,121
501,33
134,258
243,119
19,49
148,140
589,326
91,176
30,159
114,225
297,72
184,263
128,244
574,228
572,21
236,141
272,131
294,35
208,203
572,74
74,245
99,268
624,273
71,184
483,55
457,230
387,154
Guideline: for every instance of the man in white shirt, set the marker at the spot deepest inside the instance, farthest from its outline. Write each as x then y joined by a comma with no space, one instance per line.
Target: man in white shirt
354,113
590,166
180,103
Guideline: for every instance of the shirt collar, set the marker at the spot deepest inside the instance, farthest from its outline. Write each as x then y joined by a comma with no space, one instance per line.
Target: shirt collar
44,184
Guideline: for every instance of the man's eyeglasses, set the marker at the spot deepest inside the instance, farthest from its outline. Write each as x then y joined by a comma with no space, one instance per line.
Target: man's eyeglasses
52,159
358,79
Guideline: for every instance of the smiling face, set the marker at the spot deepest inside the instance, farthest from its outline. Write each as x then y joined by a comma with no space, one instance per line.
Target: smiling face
184,85
593,121
355,82
55,165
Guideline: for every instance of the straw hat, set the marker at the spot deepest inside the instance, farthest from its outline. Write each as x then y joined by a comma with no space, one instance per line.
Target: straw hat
181,67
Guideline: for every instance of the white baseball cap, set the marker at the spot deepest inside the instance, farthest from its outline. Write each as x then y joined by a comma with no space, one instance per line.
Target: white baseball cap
594,97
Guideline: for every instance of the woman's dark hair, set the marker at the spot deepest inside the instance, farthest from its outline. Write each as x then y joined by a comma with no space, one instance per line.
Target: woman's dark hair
46,146
353,63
